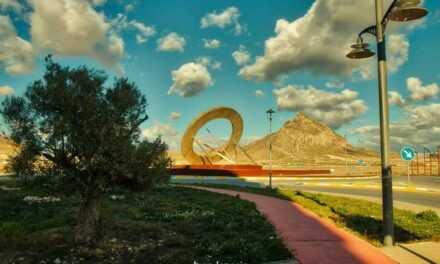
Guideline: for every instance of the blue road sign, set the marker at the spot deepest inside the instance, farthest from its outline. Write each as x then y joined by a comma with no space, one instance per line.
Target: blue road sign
408,153
361,161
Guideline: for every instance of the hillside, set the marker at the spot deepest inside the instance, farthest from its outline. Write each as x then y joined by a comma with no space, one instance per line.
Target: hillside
6,149
304,139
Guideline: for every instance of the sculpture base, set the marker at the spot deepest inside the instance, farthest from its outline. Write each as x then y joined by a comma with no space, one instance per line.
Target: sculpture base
242,170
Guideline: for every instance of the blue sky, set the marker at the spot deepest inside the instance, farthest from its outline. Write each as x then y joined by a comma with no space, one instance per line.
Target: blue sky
190,56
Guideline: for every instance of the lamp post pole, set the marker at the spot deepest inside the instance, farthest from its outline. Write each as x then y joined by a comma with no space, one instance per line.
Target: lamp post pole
399,10
387,189
270,112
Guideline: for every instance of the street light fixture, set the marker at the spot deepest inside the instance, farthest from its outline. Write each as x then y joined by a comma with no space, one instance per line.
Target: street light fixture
407,10
399,10
269,115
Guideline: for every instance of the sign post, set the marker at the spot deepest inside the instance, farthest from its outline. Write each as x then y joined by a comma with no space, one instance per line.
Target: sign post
408,154
361,161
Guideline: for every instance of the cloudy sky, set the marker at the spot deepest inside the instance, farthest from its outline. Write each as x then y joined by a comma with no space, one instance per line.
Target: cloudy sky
189,56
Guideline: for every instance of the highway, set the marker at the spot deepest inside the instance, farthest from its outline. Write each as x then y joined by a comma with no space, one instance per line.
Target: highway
426,197
419,198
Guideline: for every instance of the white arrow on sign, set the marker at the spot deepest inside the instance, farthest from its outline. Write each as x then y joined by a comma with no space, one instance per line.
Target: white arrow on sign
408,154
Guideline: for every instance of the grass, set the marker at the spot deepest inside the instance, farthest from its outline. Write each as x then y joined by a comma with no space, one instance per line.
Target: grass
360,217
170,224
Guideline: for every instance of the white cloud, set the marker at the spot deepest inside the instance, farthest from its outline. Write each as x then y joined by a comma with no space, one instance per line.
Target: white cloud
167,132
318,42
420,127
425,117
229,17
119,23
175,115
128,8
98,2
6,90
171,42
334,84
13,5
397,51
190,79
16,54
414,24
241,56
216,65
73,27
208,62
211,43
418,92
144,31
395,98
204,60
259,93
333,109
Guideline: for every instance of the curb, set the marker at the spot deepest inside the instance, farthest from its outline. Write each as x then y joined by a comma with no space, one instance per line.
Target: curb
180,177
367,186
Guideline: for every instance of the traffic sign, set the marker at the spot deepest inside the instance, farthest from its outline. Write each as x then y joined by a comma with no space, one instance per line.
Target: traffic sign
408,153
361,161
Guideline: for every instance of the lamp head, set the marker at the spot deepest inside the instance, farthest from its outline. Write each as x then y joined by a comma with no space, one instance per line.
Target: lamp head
407,10
360,51
270,111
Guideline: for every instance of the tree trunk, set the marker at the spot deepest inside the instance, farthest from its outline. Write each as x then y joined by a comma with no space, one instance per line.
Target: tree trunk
88,230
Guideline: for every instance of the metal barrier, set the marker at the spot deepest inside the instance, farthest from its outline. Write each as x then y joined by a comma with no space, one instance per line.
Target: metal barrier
428,163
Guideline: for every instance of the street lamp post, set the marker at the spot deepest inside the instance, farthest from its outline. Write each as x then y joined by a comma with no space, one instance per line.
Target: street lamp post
269,115
399,10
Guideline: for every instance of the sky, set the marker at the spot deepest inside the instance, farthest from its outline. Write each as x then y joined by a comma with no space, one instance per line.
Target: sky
188,56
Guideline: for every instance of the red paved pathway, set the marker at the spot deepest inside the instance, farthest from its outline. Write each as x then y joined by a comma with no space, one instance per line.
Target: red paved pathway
311,239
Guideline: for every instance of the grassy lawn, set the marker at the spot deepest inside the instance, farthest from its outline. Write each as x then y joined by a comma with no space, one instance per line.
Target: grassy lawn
361,217
170,224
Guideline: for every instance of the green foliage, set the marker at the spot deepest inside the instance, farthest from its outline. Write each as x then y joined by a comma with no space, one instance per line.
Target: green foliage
363,218
428,215
77,135
166,225
81,135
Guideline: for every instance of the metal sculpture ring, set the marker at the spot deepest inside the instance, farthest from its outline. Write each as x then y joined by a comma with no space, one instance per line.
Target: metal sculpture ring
212,156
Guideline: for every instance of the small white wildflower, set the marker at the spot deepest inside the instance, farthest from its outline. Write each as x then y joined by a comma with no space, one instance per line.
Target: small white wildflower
37,199
117,197
5,188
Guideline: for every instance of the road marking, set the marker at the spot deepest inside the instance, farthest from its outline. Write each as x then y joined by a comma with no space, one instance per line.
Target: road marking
302,183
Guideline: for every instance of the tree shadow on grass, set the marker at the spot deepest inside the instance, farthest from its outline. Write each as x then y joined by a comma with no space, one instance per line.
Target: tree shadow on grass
372,228
369,226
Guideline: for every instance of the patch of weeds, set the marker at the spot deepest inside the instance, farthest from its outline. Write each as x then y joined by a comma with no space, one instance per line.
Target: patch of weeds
166,225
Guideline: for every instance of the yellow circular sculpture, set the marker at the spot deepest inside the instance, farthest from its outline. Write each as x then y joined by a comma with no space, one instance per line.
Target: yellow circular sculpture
213,155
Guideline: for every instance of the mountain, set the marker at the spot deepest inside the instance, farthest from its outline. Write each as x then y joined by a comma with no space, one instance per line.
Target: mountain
6,149
304,139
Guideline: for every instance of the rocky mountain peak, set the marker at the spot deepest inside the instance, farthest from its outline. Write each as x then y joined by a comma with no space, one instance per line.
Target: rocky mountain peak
300,137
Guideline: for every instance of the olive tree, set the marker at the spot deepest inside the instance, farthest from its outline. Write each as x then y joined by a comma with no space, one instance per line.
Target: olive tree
70,126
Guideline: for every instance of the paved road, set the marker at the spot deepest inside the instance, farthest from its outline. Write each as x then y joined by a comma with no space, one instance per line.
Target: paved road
416,201
419,198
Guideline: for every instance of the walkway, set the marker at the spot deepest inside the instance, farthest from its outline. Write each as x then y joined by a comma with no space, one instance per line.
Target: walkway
311,239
